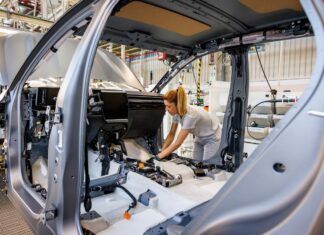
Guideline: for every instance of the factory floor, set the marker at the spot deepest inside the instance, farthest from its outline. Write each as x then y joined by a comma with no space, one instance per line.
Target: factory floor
11,223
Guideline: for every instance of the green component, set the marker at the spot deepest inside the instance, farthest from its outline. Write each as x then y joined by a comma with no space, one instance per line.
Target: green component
200,101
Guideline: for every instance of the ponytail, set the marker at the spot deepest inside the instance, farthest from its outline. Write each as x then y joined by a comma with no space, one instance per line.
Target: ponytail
182,101
179,98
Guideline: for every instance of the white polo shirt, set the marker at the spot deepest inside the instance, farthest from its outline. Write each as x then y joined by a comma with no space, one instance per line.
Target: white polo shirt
198,121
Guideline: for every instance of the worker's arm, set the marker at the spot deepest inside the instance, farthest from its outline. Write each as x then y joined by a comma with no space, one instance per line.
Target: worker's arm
170,136
181,137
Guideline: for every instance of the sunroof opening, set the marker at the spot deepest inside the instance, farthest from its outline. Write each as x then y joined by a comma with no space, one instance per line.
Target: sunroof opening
276,5
162,18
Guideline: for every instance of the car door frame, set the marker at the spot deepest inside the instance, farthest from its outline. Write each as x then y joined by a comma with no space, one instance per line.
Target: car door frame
59,213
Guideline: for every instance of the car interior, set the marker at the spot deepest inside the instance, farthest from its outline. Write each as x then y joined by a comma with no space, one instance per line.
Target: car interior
121,188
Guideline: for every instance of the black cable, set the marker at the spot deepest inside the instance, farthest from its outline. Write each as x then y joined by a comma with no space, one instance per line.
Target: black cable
272,91
264,74
87,198
265,101
249,115
105,161
134,203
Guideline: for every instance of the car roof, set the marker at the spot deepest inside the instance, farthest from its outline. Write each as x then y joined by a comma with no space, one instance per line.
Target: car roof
178,27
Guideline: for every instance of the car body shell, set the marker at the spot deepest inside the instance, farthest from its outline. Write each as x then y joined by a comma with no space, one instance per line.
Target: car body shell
258,198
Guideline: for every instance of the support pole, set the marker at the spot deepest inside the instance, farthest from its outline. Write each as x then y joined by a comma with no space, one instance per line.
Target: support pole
199,100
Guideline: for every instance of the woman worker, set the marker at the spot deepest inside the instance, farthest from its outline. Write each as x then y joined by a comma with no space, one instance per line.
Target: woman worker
194,120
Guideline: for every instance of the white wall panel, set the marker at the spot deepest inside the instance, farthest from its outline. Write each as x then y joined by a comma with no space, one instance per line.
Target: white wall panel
282,60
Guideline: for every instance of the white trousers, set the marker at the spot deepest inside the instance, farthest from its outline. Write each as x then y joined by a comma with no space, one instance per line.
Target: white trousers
206,147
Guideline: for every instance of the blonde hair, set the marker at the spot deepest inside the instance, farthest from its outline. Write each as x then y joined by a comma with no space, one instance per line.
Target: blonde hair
179,98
